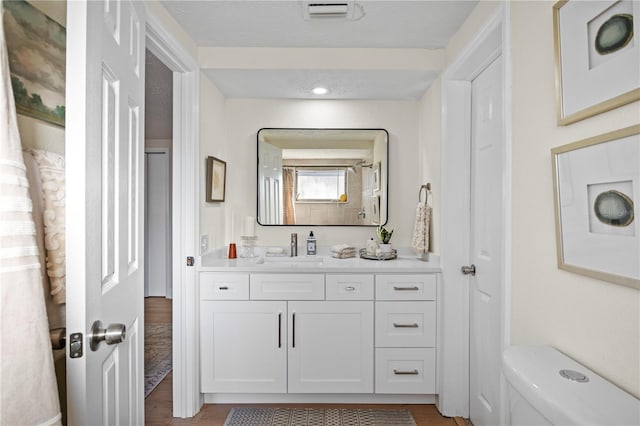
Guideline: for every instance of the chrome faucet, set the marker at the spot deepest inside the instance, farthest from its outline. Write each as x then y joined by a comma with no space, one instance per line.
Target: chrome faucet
294,244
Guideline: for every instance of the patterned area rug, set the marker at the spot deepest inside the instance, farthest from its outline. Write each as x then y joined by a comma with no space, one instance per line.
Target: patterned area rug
318,417
157,355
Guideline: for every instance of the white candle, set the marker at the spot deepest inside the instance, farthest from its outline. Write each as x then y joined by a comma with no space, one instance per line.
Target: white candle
250,226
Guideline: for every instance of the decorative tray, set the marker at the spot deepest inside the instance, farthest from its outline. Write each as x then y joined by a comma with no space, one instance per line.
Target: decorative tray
393,254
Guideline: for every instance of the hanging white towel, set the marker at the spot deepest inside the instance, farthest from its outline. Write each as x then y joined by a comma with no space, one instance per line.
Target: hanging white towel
29,393
420,242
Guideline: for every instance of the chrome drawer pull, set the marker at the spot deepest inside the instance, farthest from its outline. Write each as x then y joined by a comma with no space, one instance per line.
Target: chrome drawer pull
414,288
405,373
224,287
350,288
414,325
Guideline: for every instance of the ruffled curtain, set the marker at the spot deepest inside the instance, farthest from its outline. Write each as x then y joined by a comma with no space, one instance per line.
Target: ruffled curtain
27,379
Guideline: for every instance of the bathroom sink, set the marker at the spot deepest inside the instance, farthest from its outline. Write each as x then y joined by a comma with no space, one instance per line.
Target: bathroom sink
293,262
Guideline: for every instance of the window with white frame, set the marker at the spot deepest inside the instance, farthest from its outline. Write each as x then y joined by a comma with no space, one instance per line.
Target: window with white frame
321,184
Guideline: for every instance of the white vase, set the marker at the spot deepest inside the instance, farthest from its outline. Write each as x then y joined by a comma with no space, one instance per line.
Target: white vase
385,248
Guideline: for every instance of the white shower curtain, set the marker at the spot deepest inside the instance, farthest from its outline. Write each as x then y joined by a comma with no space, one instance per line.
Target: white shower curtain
29,395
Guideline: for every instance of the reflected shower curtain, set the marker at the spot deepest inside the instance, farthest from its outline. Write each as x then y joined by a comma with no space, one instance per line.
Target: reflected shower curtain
289,201
27,379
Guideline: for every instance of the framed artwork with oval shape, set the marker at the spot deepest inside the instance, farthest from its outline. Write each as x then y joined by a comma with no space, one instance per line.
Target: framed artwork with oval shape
597,56
596,193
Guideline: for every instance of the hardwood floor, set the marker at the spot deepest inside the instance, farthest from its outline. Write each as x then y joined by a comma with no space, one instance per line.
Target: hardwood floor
159,404
157,310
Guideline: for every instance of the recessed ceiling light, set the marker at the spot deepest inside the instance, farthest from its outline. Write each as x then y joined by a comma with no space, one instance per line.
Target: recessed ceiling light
320,91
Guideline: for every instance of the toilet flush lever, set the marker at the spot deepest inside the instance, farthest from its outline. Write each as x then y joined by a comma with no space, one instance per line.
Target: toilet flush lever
469,270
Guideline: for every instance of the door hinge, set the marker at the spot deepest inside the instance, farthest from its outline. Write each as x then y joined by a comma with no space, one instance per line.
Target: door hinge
75,345
190,261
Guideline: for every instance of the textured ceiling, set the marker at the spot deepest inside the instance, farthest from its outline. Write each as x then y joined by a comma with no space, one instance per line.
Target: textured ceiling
374,24
269,23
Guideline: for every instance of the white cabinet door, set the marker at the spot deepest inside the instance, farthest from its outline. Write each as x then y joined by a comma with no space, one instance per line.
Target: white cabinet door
330,347
243,347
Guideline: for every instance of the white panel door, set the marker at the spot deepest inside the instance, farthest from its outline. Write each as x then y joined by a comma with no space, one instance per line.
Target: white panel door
104,154
157,226
270,184
486,241
243,347
330,347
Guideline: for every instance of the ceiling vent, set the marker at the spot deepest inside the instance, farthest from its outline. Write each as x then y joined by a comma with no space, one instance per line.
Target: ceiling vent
327,9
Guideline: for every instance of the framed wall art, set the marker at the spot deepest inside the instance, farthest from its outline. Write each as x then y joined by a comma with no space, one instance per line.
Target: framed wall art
376,176
596,194
216,179
36,46
597,57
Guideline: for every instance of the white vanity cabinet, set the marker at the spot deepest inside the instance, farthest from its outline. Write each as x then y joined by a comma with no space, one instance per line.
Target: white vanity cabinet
319,334
281,327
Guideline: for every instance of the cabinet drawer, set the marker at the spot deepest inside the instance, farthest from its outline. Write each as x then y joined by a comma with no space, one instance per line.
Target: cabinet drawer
349,286
406,324
406,287
286,287
405,370
224,286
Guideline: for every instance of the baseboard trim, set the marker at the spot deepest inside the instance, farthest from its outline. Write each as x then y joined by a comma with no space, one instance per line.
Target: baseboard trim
279,398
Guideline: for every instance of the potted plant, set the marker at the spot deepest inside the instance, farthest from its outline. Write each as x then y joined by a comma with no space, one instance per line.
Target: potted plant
385,237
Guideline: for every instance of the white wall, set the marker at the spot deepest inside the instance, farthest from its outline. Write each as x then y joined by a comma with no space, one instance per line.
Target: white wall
595,322
213,142
243,119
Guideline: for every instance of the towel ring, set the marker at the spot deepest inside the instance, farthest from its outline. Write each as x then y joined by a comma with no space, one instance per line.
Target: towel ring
426,188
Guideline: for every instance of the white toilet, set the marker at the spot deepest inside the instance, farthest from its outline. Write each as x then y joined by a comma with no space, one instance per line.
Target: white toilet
548,388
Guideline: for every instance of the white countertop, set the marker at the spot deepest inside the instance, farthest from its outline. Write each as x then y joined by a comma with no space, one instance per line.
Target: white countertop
407,262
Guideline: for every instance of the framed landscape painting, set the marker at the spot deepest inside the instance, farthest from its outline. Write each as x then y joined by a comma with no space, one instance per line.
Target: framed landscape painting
36,46
597,188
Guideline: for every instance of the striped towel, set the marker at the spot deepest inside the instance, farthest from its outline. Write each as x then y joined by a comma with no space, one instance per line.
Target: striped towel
420,241
27,378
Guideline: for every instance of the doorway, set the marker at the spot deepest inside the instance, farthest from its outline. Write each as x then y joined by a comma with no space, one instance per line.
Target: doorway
158,283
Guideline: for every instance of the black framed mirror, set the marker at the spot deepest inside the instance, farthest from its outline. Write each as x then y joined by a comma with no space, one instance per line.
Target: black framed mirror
328,177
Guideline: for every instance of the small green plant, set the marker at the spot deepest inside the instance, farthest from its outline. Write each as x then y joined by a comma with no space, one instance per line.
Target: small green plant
383,235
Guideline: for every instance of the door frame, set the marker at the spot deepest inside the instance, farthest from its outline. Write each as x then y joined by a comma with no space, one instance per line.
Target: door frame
187,399
491,41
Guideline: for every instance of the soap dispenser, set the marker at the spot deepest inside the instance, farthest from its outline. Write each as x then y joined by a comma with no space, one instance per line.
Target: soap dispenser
311,244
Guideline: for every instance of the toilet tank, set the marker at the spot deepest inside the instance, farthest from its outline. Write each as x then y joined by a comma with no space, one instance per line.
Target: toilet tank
547,387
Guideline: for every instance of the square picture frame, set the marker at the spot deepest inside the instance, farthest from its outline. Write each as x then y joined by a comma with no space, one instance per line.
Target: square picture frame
596,184
597,57
216,179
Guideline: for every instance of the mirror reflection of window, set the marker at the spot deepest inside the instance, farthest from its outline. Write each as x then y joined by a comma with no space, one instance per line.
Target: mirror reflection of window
321,185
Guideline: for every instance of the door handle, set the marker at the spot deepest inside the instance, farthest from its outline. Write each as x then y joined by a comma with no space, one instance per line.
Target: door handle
279,329
112,335
405,373
468,270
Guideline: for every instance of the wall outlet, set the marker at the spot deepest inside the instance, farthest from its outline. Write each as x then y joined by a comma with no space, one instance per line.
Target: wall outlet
204,244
